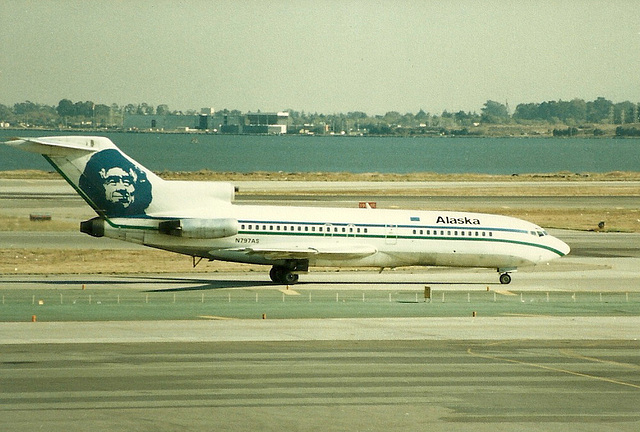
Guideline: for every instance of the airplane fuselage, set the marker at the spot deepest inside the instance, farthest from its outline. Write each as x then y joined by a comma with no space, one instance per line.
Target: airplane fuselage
362,238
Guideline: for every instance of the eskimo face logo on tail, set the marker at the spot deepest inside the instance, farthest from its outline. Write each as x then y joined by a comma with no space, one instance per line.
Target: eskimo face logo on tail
115,185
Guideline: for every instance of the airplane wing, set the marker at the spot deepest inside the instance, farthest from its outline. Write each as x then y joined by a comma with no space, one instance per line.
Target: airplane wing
306,252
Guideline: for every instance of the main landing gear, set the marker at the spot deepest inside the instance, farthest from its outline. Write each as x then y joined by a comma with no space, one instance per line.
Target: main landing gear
283,275
287,274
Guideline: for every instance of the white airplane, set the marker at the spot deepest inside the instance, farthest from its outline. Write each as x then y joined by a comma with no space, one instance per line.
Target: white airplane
199,219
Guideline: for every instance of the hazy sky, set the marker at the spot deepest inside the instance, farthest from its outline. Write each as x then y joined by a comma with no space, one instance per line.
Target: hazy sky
322,55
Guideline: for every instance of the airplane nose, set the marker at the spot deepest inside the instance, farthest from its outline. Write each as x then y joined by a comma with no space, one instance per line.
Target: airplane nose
562,247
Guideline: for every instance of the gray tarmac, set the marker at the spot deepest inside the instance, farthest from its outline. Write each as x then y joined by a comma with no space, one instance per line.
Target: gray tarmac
545,372
322,385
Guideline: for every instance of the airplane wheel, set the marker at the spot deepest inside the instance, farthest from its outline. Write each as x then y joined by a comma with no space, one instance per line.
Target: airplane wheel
276,274
505,278
289,278
281,275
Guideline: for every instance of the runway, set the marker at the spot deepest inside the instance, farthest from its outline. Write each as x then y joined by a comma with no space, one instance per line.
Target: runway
329,386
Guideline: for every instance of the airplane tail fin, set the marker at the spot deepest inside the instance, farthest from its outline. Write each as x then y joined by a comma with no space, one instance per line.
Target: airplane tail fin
115,185
112,183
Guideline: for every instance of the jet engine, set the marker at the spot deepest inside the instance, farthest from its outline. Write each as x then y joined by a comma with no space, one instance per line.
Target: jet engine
94,227
199,228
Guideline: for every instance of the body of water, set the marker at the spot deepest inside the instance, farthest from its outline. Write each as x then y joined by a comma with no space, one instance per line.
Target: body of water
243,153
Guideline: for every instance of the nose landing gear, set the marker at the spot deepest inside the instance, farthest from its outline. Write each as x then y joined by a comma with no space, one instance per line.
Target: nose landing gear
505,278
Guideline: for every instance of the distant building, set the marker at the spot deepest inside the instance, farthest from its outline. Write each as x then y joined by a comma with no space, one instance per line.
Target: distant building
208,119
167,122
267,123
231,124
279,118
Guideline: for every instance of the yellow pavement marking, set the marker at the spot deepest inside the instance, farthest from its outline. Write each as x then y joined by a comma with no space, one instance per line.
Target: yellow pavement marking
539,366
571,354
288,291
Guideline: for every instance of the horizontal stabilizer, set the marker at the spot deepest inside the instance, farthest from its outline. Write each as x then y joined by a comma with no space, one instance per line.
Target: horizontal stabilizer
54,145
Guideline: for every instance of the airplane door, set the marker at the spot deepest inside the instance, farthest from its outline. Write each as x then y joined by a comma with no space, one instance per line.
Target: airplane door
328,230
351,230
391,234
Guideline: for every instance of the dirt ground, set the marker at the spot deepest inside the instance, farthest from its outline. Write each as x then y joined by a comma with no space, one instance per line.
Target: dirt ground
48,261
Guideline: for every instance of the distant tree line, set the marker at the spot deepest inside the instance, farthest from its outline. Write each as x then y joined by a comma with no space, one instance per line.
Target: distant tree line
576,111
630,131
575,115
